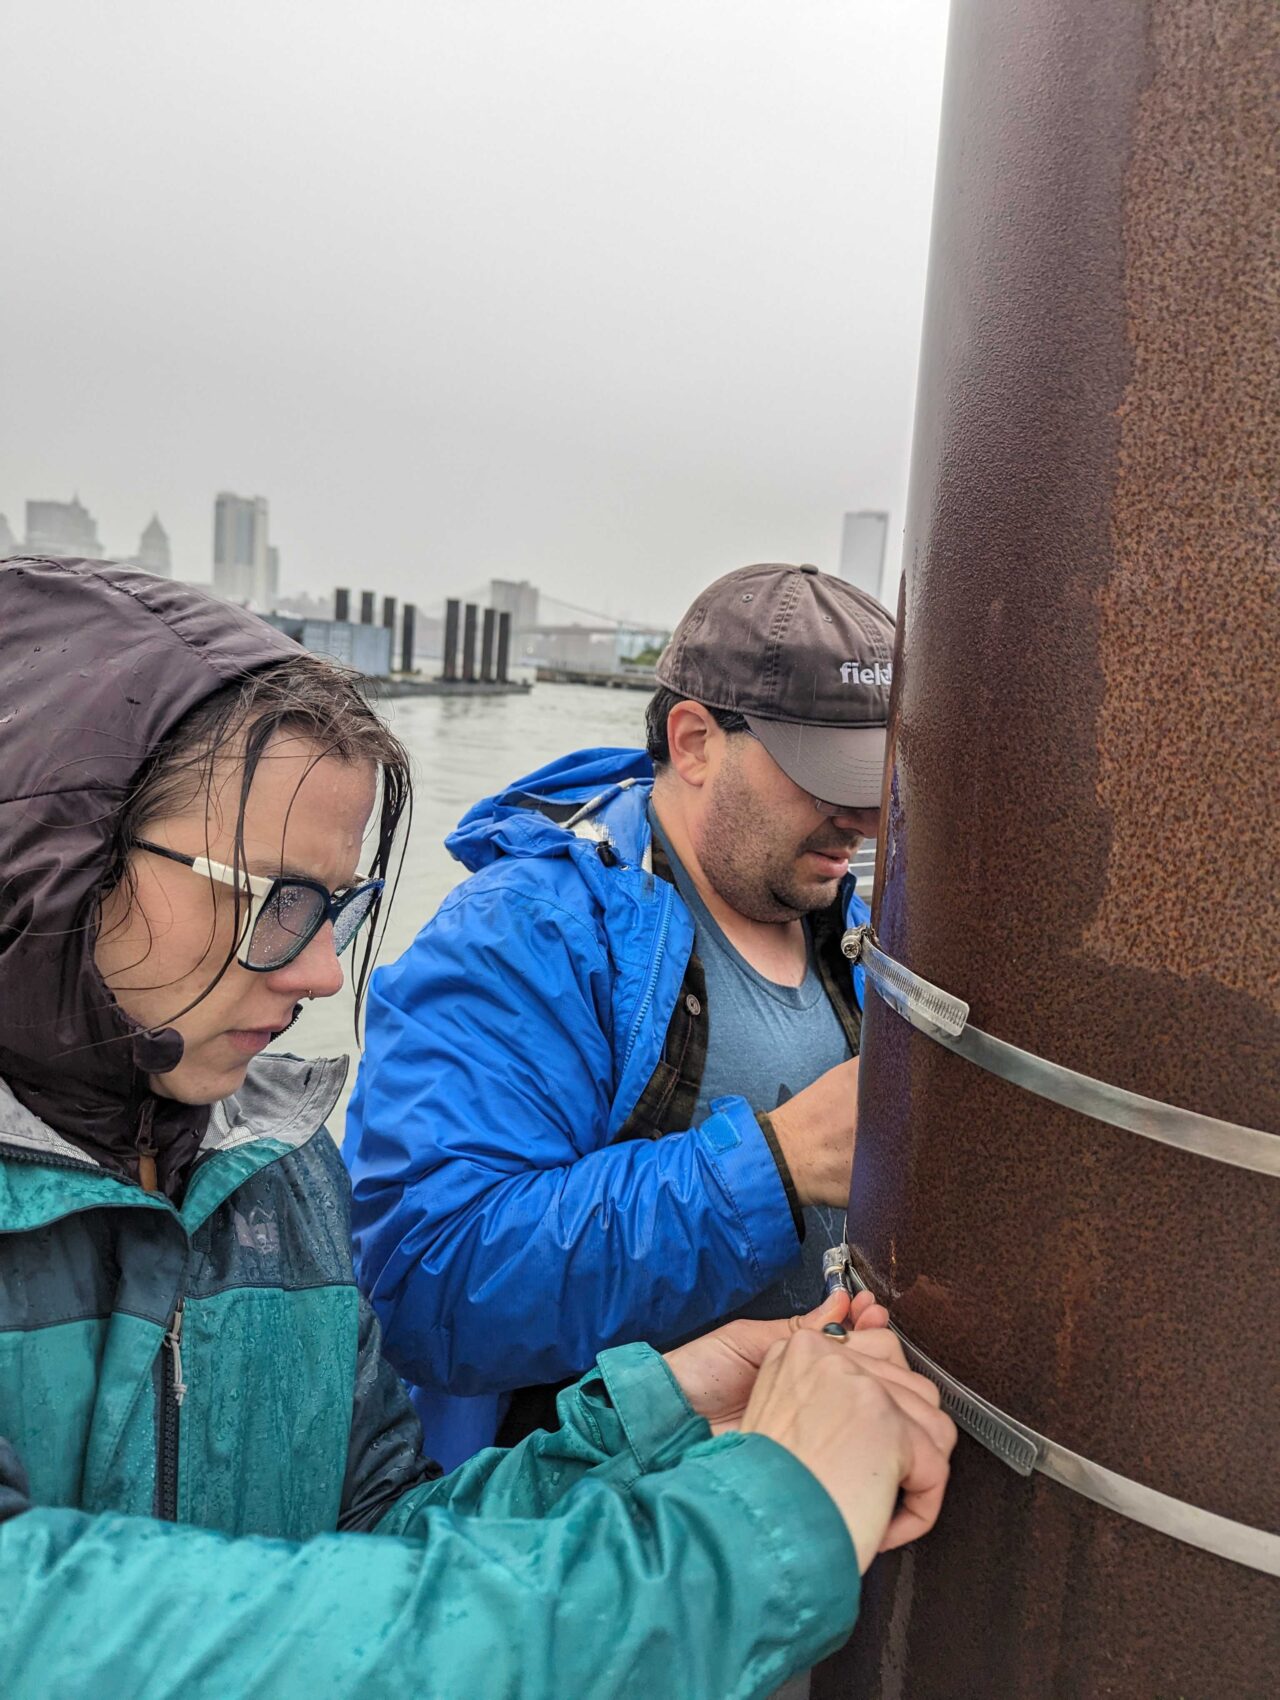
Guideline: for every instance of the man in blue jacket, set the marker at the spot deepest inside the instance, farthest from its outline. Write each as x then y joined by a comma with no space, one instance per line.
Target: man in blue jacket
608,1094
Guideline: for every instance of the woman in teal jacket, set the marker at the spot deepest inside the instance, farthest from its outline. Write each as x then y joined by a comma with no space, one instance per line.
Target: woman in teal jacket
210,1480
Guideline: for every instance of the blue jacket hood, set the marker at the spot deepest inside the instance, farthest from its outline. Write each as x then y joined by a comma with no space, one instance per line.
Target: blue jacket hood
528,817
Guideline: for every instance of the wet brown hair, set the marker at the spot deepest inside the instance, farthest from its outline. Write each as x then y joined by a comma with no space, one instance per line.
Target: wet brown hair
306,697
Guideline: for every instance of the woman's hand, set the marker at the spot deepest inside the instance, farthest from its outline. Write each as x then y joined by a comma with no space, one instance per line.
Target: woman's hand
717,1373
869,1428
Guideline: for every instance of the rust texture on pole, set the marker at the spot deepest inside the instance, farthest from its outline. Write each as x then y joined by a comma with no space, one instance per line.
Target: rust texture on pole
488,639
469,622
1081,839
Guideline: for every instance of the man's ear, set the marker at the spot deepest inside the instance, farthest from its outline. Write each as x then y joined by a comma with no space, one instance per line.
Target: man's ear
690,734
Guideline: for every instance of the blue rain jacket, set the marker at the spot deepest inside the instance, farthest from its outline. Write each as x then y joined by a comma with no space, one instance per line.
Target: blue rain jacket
503,1236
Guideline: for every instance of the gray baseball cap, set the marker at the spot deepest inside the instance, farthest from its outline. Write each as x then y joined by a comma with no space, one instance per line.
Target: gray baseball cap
807,660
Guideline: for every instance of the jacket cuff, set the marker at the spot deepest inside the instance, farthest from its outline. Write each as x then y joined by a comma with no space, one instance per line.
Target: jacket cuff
746,1168
658,1421
789,1522
784,1171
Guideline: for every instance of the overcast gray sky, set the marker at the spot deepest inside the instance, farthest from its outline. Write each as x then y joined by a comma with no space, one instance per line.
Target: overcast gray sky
610,294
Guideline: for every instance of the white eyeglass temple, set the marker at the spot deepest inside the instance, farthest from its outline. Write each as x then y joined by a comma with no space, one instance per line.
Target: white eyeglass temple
258,884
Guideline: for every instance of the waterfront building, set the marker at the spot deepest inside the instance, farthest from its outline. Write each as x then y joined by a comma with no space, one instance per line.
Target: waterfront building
242,565
62,529
862,550
577,649
153,550
365,648
303,605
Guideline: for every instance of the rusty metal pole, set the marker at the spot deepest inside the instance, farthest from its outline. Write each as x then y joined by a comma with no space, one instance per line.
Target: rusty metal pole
1082,838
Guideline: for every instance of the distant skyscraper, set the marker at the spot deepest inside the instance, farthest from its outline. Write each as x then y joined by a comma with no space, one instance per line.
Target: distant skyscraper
8,542
241,552
153,549
862,550
61,529
517,598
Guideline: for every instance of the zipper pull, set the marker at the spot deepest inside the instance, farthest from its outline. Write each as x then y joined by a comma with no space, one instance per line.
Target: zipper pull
147,1148
173,1340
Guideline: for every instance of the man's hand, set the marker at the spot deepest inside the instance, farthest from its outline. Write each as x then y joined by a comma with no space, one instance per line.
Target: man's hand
865,1425
718,1372
816,1130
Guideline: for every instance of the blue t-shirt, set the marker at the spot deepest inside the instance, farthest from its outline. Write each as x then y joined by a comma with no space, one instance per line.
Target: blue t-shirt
765,1043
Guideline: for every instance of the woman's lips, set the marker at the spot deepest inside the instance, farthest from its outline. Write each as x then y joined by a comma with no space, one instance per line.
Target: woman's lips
250,1040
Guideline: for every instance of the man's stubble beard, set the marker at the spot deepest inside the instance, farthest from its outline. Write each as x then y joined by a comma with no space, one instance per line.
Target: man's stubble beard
752,873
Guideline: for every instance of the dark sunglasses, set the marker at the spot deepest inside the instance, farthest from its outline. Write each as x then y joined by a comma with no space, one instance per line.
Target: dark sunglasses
284,914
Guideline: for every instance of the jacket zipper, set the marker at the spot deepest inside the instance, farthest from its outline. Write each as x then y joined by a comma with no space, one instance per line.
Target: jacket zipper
173,1385
655,963
51,1160
173,1390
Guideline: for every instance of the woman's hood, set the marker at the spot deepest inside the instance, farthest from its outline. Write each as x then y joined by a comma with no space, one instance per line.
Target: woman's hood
98,663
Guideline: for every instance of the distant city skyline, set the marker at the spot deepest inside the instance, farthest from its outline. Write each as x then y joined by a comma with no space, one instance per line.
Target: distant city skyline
246,565
862,550
153,549
613,305
67,530
61,528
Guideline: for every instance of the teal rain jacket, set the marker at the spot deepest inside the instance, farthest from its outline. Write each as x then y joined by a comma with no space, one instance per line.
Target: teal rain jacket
193,1403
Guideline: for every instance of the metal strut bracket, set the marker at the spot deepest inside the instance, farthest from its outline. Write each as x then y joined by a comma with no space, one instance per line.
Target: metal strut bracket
945,1019
1023,1450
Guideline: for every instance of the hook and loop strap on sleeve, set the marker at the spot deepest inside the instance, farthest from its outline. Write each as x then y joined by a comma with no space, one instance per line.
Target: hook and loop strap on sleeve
1023,1450
945,1019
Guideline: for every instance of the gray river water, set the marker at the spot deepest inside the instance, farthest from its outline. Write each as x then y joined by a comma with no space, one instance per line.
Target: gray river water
462,749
